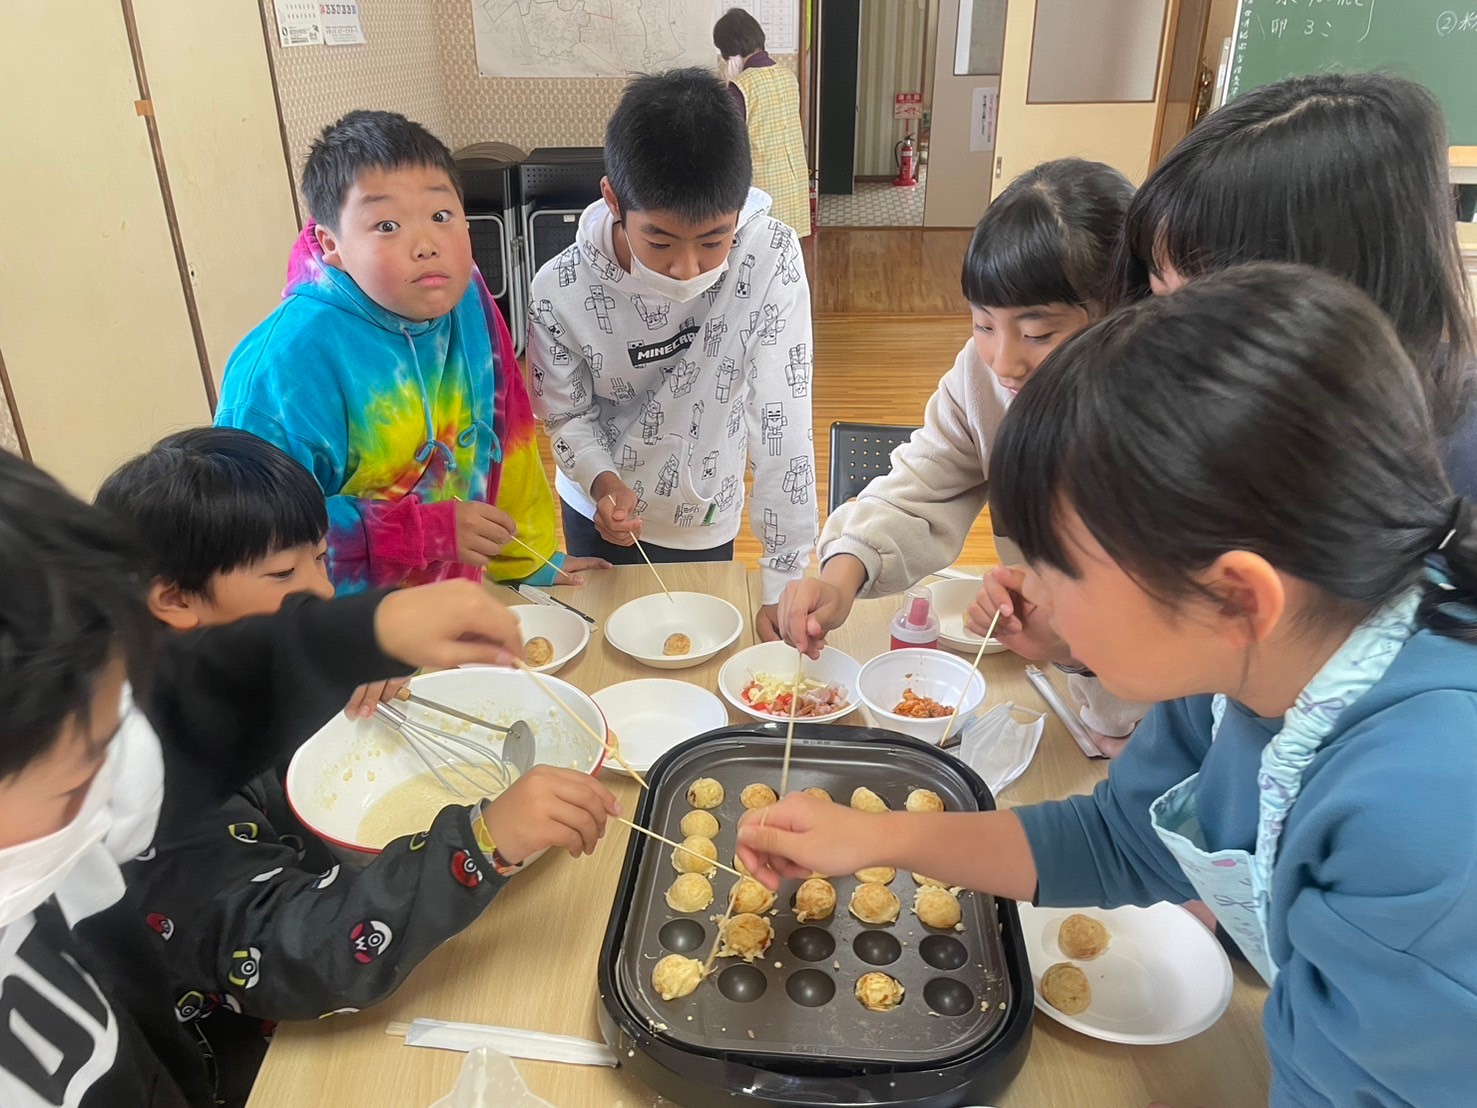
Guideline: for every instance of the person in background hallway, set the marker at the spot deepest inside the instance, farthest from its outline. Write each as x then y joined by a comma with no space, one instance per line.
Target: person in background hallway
768,97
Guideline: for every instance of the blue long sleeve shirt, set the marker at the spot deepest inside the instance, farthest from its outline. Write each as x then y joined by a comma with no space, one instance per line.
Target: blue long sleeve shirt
1373,917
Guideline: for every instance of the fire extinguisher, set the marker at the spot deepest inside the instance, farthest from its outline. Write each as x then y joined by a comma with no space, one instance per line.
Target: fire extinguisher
905,154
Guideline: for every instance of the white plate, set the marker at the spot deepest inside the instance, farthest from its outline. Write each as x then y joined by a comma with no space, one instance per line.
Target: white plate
641,626
1164,977
833,667
951,600
652,715
566,632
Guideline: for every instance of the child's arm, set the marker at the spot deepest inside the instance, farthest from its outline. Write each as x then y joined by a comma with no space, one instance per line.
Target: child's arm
783,510
345,938
564,398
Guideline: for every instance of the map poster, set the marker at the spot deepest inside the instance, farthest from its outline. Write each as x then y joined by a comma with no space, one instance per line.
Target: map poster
591,38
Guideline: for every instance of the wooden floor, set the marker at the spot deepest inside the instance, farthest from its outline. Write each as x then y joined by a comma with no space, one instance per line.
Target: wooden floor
889,320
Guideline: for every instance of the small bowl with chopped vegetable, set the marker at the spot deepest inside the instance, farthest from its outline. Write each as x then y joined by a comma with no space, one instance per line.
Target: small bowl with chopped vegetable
915,692
761,682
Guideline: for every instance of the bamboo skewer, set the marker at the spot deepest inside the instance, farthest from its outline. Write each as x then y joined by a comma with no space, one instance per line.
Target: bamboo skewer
610,748
558,570
677,846
970,679
790,730
644,555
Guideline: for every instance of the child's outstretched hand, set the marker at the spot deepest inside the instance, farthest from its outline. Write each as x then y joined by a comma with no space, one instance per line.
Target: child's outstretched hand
1029,637
447,624
549,807
362,703
481,532
615,510
808,609
803,834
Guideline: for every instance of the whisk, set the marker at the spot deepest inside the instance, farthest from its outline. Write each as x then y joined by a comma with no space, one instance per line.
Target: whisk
456,754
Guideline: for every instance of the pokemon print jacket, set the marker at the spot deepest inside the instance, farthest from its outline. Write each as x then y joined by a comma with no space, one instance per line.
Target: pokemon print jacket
397,421
87,1015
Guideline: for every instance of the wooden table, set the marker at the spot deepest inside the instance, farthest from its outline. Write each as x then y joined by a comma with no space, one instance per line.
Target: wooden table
530,960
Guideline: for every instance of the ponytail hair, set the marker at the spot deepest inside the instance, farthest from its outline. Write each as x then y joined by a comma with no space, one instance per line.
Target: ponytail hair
1268,408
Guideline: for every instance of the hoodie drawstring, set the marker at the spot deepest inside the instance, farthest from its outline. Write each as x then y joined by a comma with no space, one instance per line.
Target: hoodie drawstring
432,443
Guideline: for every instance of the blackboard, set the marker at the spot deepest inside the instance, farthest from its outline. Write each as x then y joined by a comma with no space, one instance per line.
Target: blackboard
1433,42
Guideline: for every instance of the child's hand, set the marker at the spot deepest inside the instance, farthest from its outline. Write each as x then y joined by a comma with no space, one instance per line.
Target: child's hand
1029,637
481,532
809,608
549,807
615,510
767,623
569,572
803,834
362,703
445,625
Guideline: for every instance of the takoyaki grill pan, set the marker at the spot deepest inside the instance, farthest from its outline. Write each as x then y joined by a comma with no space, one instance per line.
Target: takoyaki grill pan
788,1029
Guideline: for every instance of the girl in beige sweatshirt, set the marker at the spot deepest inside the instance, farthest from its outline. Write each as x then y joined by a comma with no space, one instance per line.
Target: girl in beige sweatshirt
1035,274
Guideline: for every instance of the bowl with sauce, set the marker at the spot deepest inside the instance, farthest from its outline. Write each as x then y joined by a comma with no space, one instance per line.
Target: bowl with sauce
357,785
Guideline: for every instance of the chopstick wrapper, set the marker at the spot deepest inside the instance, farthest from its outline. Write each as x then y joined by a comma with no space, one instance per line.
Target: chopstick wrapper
1063,711
490,1080
512,1041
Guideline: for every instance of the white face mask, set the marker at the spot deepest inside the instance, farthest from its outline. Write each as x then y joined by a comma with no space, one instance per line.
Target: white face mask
679,292
120,811
998,746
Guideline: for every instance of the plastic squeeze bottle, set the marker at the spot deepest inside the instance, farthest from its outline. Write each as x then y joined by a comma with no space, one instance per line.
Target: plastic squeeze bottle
915,626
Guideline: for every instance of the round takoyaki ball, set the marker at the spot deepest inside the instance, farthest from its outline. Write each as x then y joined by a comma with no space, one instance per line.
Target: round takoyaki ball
879,992
748,895
676,645
1082,937
691,892
815,899
538,651
697,856
746,936
757,796
865,800
1066,989
873,903
936,907
877,875
705,793
818,793
702,823
924,800
676,976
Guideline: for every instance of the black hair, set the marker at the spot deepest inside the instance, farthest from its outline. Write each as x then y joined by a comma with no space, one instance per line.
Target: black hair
214,499
737,34
72,592
1343,171
367,140
1268,408
1048,238
676,143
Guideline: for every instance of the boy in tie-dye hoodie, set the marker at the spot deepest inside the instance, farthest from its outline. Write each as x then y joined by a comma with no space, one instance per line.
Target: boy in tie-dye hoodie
389,373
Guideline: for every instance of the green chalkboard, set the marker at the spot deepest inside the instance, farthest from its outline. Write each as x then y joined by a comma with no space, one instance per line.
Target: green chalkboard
1430,41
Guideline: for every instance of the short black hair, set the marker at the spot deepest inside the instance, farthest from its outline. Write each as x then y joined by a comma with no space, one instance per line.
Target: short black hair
1267,408
676,144
1343,171
214,499
1048,238
367,140
737,34
72,601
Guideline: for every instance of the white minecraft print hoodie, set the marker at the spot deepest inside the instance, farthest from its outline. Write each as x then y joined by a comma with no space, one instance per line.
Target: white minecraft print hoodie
675,397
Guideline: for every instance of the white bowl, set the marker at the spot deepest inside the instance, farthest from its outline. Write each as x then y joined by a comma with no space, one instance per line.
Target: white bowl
777,658
654,714
640,627
566,632
935,673
339,773
951,600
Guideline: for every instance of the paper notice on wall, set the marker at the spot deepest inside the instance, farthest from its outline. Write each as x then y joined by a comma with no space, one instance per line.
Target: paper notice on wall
341,26
298,23
985,111
779,18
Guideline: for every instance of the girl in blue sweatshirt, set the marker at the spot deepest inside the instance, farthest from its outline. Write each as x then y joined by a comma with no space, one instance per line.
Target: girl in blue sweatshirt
1232,502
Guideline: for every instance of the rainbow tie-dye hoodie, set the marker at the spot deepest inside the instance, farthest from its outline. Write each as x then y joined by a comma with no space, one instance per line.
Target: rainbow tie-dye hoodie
396,420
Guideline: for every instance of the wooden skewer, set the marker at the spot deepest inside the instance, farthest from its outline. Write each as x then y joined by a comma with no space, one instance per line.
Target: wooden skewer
790,730
609,747
970,679
644,555
558,570
677,846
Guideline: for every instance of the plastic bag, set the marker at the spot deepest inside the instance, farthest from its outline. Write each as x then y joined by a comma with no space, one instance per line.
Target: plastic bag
489,1079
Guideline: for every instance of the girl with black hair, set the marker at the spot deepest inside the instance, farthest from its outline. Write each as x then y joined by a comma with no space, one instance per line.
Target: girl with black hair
1036,273
1232,503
